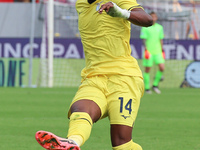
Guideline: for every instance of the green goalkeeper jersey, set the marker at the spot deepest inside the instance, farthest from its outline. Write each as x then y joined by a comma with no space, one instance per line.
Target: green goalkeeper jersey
153,35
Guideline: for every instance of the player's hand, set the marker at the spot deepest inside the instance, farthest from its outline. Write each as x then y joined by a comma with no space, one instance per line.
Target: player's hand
115,11
146,54
106,7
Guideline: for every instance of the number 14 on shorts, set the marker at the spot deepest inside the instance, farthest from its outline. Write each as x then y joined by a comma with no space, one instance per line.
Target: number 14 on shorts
126,106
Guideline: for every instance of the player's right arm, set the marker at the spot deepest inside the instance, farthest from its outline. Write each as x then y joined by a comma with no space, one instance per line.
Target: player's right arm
136,16
139,17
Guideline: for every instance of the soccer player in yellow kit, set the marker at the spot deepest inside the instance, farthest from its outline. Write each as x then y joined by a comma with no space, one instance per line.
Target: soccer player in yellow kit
112,82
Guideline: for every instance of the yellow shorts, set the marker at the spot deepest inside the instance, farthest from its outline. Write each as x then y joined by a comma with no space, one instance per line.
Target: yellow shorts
117,96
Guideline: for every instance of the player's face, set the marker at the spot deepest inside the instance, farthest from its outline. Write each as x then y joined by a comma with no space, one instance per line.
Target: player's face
155,18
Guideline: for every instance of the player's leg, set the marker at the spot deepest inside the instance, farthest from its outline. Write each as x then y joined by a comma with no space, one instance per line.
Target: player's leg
83,114
86,108
147,63
146,76
121,136
159,60
123,105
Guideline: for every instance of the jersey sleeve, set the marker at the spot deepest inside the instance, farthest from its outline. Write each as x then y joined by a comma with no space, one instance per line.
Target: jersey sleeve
127,4
143,33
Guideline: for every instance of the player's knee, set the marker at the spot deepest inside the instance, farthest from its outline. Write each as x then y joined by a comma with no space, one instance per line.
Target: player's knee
88,107
161,67
147,69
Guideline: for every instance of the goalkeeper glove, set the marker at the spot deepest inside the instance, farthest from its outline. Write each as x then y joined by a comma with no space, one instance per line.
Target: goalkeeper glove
163,53
116,11
146,54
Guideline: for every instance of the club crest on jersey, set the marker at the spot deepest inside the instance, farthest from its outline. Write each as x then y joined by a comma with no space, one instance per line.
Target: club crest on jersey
98,5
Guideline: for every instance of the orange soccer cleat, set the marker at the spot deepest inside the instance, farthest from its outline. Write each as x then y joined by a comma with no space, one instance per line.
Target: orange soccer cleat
52,142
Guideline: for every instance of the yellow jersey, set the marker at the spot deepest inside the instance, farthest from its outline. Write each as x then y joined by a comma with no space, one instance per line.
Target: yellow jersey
106,40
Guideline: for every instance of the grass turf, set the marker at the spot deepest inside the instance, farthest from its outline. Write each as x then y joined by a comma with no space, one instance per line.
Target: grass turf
170,121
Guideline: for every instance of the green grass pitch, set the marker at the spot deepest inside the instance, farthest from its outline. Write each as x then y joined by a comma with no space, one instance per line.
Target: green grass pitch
170,121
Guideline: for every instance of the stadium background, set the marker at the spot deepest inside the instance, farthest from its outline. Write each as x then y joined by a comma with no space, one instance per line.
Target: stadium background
169,121
179,18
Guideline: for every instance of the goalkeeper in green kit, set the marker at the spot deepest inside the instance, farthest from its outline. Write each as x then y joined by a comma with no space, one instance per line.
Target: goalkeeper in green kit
153,42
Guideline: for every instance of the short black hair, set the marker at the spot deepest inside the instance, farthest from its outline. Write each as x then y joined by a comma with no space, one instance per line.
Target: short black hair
152,12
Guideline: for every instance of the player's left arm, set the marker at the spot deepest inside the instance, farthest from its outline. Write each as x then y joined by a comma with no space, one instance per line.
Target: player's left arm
163,51
161,43
136,16
161,38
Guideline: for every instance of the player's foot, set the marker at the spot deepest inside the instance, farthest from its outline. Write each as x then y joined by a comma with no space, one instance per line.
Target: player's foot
52,142
156,89
148,91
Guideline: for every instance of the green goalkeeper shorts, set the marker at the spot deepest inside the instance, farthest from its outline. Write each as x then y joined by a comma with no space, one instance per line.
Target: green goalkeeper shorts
157,59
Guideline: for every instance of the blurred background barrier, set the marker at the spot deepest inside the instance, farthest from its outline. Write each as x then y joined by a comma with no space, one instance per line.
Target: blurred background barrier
69,61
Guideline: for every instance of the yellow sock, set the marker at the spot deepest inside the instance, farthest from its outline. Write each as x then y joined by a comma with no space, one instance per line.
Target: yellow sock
76,138
80,126
128,146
